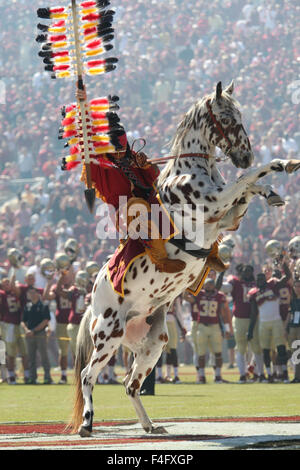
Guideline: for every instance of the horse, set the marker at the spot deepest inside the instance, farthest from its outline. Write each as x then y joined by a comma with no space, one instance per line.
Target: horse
191,178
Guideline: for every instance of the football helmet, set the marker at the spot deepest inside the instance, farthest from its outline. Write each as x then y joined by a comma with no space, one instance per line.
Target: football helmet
294,247
225,252
71,248
62,261
92,268
47,268
81,279
228,241
273,249
15,257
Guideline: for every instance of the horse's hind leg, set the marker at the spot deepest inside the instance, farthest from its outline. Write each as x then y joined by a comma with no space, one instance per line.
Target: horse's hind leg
145,358
107,336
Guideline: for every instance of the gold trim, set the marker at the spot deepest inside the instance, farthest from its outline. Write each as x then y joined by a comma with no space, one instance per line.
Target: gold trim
121,294
203,275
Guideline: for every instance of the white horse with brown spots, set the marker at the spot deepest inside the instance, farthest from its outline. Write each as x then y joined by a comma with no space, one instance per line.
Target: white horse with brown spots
138,321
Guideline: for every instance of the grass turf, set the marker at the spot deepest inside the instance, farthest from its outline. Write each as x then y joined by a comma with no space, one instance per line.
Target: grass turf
39,403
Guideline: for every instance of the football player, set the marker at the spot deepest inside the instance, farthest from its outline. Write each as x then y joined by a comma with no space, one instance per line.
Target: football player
209,306
13,335
63,309
294,328
239,287
265,311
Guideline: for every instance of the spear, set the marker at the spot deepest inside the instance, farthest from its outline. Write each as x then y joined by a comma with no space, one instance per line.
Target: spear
89,193
71,45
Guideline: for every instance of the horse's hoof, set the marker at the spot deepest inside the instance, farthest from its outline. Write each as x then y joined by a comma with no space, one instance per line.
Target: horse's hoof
158,430
84,432
292,166
275,200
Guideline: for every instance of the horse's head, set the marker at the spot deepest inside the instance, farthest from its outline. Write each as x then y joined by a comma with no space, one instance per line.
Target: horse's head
225,127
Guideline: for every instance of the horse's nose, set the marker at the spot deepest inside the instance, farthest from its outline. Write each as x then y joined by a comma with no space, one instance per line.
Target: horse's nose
247,160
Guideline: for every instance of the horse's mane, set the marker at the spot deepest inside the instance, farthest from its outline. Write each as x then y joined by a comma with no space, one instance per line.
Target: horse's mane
186,124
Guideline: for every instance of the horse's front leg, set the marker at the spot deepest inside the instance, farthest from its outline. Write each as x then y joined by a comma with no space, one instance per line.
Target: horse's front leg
232,219
277,165
221,200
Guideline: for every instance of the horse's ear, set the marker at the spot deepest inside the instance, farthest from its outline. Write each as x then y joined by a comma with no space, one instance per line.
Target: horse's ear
230,88
219,91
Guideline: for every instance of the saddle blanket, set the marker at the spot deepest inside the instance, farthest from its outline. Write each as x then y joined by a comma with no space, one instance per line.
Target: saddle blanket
128,252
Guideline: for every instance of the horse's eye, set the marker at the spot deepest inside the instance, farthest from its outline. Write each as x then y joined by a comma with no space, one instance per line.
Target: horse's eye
225,121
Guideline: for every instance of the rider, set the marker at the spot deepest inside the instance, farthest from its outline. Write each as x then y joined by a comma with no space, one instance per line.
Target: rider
132,176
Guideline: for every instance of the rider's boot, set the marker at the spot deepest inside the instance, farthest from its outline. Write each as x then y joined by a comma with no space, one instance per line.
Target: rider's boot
214,261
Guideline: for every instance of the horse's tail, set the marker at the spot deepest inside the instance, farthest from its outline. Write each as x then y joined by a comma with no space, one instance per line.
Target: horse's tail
84,348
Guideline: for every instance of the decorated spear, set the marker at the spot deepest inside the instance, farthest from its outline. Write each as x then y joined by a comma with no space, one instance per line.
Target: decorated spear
90,195
71,46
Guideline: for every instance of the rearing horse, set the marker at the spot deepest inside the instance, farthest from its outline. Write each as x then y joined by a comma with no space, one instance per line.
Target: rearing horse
192,178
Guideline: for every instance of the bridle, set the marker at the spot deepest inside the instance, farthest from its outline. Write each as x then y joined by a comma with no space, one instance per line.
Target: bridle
219,127
207,156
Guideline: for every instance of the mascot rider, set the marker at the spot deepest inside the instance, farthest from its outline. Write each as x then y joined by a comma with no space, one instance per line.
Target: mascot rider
133,176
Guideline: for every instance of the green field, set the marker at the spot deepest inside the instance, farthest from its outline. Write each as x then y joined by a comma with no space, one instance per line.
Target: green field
40,403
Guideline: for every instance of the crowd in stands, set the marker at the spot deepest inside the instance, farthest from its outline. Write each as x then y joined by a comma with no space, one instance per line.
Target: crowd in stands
171,53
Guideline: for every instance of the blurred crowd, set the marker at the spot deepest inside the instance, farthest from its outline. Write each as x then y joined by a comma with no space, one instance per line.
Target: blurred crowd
171,53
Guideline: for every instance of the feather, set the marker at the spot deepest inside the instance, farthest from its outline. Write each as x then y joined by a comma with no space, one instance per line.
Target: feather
49,68
61,54
43,27
65,74
70,133
41,38
106,21
47,60
59,68
94,44
45,54
68,121
60,37
90,17
43,13
90,30
88,4
104,32
47,47
59,24
103,3
99,101
100,129
113,98
57,10
95,63
74,150
72,165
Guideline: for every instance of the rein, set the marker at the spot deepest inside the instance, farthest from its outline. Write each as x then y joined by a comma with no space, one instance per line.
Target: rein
183,155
